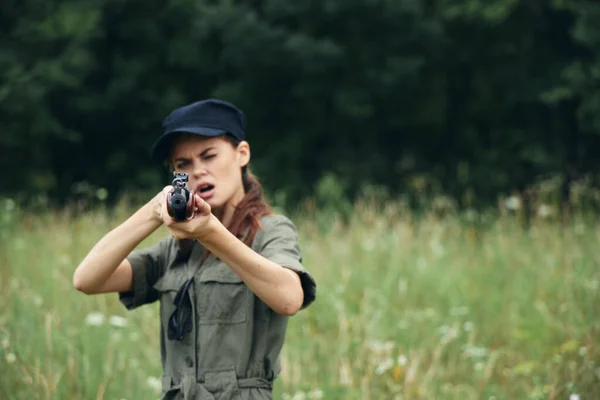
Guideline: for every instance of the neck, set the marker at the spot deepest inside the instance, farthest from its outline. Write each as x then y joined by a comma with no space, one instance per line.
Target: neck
225,213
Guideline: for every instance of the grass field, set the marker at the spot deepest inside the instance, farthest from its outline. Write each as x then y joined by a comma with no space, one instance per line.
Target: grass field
406,309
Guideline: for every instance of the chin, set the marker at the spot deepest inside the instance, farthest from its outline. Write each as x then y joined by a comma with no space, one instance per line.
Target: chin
214,204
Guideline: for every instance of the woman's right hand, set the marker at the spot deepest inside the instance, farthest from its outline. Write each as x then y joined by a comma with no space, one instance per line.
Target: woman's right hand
158,203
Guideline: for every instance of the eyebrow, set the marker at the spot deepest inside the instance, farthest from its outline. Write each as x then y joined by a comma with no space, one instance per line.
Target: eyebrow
201,154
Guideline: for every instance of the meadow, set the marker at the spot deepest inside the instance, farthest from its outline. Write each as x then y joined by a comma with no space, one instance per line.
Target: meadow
408,307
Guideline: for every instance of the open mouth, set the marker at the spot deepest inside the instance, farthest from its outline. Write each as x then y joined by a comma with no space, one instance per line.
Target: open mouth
205,191
205,188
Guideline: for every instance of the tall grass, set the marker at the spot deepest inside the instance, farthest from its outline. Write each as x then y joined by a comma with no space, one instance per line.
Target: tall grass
407,308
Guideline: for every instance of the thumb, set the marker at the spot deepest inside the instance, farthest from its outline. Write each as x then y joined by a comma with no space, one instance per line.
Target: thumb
203,208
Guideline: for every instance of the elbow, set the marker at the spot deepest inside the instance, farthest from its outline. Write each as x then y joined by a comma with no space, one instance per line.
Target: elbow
291,305
290,312
80,284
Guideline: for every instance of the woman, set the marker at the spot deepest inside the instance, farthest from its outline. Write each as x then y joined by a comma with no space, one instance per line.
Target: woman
227,279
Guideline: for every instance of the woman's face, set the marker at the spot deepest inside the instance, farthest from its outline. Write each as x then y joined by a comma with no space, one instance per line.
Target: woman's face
214,167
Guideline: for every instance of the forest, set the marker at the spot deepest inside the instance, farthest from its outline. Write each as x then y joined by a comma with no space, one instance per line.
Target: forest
467,99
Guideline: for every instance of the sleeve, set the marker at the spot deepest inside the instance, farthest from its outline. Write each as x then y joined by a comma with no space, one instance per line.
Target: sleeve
147,266
280,245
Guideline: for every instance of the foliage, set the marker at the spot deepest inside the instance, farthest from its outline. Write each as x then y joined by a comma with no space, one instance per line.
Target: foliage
475,98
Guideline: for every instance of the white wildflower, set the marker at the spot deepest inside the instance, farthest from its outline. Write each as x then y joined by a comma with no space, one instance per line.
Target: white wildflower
154,383
557,358
345,374
384,366
468,326
448,333
299,396
574,397
94,319
9,205
368,245
402,360
583,351
316,394
380,347
512,203
37,300
544,210
471,214
475,351
11,358
118,321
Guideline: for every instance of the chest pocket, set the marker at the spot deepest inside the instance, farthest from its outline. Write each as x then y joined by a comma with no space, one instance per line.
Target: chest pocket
222,297
170,283
168,286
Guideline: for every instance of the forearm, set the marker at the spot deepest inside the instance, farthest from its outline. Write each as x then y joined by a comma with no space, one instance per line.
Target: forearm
104,258
278,287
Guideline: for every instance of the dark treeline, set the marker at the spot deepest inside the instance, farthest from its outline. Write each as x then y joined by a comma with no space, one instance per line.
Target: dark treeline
471,98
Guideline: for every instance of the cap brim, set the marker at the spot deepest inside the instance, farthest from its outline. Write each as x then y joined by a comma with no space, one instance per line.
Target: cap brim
160,150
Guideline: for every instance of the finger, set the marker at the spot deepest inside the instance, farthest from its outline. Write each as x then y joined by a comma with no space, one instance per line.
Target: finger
202,207
165,191
168,220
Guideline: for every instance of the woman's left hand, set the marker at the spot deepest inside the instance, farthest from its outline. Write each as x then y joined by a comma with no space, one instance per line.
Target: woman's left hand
196,227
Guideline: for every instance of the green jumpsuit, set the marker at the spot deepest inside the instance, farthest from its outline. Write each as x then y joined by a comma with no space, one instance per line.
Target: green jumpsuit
233,349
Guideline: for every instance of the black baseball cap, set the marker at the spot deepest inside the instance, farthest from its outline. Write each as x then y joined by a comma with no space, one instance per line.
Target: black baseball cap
209,117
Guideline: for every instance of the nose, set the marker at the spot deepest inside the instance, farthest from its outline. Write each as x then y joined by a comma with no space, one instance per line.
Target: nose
199,169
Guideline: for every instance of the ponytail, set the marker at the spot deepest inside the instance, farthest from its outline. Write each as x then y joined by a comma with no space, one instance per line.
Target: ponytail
246,217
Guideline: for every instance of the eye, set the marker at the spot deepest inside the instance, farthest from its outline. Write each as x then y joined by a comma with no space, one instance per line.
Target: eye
181,165
208,157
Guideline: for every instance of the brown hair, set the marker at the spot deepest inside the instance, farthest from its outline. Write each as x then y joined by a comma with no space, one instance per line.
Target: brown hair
245,221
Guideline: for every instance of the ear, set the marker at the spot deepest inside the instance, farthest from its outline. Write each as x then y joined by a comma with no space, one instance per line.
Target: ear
243,153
